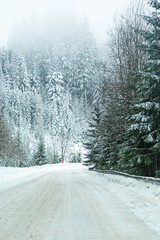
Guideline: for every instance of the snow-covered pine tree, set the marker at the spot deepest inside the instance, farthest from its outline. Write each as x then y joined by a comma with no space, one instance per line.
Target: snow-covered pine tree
84,65
45,66
118,82
142,154
62,56
33,71
3,92
59,112
20,73
55,94
40,156
93,139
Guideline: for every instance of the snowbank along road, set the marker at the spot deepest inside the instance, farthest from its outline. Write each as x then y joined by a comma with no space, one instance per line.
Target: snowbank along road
67,202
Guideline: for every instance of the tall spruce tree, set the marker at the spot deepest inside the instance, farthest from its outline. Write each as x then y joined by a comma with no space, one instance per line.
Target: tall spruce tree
116,85
142,154
93,142
40,156
84,65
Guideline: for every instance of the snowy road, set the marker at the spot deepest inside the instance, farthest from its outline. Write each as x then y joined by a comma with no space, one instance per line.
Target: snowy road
70,203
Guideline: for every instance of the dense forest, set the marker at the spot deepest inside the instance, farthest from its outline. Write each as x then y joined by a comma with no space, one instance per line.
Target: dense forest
124,130
60,93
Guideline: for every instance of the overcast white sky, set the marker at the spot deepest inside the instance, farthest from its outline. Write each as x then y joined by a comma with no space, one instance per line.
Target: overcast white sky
99,12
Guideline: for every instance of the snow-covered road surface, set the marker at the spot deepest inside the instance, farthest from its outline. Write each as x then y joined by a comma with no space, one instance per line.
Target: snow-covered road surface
67,202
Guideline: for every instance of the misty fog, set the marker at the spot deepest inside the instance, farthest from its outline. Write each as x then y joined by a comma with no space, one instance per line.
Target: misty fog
68,79
99,13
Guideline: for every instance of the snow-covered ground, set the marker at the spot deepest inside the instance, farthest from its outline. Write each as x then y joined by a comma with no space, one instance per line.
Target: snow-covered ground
68,202
9,173
140,196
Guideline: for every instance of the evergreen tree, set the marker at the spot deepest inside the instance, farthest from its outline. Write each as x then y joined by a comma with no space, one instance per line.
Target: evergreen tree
93,143
84,65
76,158
20,73
35,97
142,154
33,71
3,93
116,89
20,155
40,156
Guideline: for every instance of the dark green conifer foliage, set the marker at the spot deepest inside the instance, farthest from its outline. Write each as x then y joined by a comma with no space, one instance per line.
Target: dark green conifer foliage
40,156
142,154
93,142
76,158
